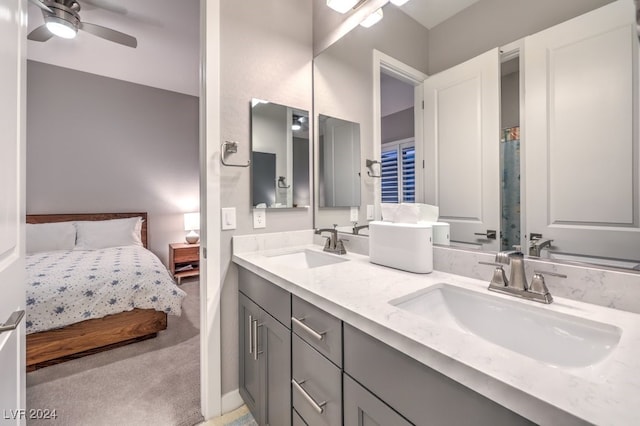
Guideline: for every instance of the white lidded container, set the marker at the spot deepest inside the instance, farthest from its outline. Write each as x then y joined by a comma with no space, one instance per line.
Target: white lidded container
405,246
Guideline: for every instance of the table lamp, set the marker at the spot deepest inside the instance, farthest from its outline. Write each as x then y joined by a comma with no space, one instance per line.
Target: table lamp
191,224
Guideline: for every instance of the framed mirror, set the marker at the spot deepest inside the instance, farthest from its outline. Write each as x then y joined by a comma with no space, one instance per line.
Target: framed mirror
280,154
552,203
338,162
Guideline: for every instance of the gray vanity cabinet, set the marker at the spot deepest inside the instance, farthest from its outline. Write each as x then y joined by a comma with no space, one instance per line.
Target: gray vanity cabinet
265,350
421,394
362,408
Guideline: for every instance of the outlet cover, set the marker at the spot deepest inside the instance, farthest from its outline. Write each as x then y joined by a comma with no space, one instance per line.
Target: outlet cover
259,218
354,214
369,211
228,218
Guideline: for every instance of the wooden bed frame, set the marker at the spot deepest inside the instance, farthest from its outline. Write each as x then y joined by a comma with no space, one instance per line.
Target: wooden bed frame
95,335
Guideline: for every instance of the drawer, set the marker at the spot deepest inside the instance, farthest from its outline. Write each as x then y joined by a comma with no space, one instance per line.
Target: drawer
317,385
318,328
415,390
186,254
270,297
296,419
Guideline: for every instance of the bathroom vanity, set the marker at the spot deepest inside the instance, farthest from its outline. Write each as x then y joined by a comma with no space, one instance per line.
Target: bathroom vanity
359,349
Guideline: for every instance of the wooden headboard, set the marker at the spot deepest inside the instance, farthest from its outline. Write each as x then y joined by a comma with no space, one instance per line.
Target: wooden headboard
68,217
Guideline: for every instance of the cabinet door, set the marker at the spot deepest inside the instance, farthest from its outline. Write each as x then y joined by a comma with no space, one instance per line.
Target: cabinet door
582,152
274,351
248,317
362,408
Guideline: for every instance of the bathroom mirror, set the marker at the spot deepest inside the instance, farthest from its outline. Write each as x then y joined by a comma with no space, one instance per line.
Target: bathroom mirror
343,82
338,162
279,156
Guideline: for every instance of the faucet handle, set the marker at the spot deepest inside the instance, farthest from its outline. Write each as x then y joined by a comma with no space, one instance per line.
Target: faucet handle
499,278
538,286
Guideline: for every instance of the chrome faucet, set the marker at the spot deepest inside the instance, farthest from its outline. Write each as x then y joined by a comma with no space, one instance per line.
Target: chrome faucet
333,244
517,284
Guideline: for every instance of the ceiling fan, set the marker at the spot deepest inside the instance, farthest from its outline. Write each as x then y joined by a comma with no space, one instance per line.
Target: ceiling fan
62,19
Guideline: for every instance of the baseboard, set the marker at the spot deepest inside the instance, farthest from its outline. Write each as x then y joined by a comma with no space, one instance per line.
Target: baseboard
231,401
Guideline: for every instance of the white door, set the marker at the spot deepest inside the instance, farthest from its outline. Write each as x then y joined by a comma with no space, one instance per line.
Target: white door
462,149
13,22
582,155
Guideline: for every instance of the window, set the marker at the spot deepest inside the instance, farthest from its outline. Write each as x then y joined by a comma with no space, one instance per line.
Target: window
398,172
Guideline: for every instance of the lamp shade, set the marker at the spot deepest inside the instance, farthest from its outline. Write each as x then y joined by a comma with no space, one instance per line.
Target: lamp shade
191,221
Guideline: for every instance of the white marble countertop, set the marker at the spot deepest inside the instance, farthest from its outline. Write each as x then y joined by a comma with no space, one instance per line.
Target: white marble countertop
358,292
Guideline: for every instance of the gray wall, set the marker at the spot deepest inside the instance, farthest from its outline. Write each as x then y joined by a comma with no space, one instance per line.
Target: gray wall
510,100
96,144
491,23
266,53
398,126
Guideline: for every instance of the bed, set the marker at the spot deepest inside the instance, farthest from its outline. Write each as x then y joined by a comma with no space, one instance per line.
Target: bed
84,298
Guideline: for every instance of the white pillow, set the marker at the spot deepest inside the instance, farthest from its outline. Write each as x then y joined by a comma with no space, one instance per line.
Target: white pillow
108,233
50,236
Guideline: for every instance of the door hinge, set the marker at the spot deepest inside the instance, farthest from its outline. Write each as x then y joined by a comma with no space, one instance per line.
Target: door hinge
422,104
204,252
423,164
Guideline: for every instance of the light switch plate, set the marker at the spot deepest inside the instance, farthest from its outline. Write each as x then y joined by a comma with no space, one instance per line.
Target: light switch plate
369,211
228,218
354,214
259,218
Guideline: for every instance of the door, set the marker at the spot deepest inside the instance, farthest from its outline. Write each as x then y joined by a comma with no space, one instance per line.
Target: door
462,158
275,347
12,148
248,318
362,408
582,154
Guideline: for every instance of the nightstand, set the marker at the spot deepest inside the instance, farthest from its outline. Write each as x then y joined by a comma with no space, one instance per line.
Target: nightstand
184,260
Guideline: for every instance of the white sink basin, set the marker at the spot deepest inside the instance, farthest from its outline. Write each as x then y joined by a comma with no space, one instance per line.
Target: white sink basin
537,332
307,259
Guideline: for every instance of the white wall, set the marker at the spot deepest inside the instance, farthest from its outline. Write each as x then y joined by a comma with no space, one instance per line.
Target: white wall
266,53
96,144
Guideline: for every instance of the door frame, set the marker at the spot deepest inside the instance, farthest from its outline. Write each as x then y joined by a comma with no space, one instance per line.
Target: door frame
397,69
211,399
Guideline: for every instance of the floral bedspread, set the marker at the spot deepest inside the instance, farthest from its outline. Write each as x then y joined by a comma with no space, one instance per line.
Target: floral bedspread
65,287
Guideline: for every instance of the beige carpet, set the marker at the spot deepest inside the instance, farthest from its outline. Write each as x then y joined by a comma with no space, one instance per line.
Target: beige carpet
154,382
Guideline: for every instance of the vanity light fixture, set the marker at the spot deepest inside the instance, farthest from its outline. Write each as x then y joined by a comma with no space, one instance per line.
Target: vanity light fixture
341,6
399,2
372,19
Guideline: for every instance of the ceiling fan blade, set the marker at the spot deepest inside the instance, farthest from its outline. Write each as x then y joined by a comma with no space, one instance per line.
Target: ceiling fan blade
41,5
109,34
40,34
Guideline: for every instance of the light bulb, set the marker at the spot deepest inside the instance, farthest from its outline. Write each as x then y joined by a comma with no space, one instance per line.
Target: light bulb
61,28
372,19
341,6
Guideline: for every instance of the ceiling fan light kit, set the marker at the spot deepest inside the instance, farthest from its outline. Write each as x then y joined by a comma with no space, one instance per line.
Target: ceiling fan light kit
62,19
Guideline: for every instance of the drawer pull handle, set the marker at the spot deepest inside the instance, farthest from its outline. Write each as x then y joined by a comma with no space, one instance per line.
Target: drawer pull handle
318,407
309,330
